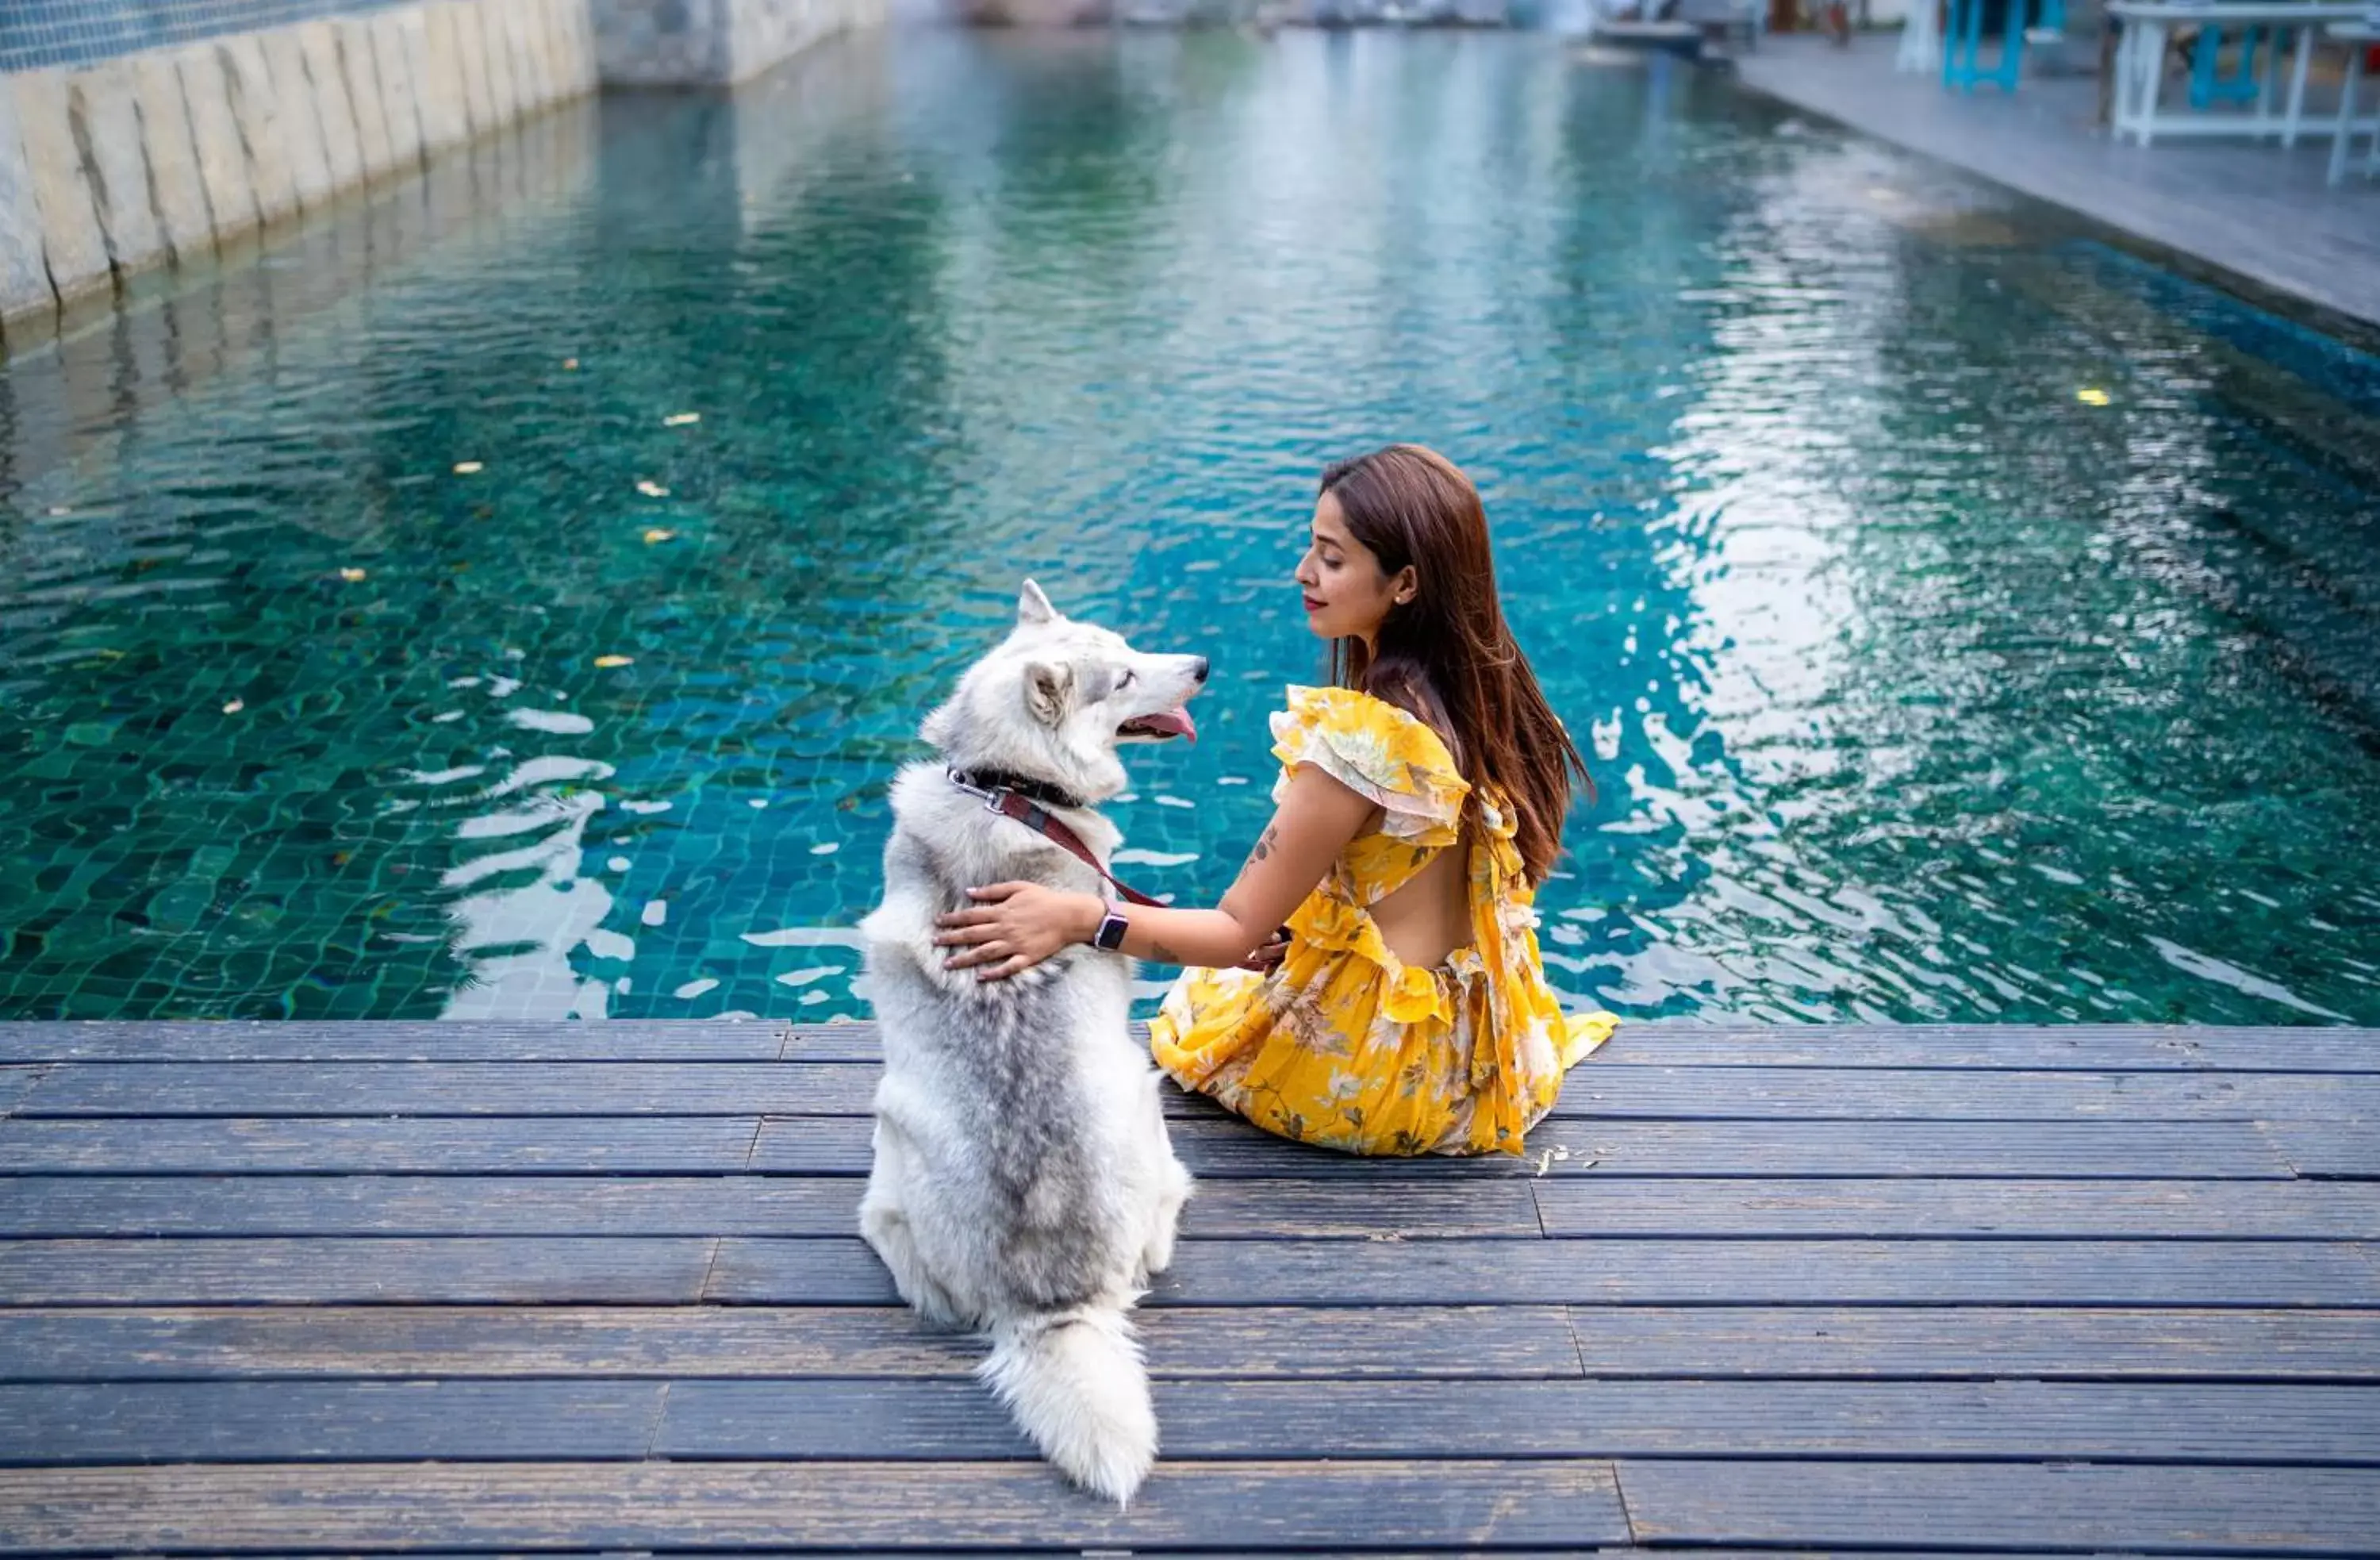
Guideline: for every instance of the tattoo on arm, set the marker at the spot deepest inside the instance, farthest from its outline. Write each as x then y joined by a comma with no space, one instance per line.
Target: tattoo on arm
1269,843
1163,955
1265,846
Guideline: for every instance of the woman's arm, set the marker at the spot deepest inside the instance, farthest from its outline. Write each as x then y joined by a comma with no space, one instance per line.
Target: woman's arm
1016,925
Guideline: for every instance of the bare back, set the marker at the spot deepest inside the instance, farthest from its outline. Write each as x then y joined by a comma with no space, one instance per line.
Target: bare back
1428,916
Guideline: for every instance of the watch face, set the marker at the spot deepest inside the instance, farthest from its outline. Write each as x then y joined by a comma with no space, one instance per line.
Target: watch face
1111,931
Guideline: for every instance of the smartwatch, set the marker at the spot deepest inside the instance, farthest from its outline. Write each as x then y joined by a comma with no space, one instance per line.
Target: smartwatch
1110,937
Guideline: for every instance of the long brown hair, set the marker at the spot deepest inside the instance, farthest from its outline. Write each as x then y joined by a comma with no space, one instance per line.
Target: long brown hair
1447,655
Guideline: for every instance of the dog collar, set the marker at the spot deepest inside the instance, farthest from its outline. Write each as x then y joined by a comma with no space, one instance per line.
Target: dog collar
990,783
1029,802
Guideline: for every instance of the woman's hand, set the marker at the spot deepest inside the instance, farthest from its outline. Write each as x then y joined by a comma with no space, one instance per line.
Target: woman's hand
1269,954
1015,926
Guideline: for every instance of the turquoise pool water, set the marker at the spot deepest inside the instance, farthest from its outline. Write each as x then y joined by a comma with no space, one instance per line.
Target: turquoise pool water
512,597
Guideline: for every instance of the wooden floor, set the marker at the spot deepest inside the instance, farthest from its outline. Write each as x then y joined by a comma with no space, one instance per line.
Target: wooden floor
311,1288
2252,208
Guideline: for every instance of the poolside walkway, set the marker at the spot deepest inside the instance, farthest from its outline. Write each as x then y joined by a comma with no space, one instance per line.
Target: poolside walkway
334,1288
2251,208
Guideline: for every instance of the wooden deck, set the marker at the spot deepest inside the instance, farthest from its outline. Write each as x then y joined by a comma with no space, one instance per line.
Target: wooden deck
309,1288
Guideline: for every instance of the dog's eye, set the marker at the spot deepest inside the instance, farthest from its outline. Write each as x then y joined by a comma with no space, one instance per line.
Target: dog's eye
1124,681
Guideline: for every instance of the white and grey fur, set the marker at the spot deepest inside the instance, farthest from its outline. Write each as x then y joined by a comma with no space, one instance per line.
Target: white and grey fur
1024,1184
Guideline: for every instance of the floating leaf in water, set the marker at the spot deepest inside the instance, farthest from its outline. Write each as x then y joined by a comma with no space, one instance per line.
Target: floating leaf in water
235,707
2092,395
658,534
354,576
652,489
680,419
467,467
570,363
615,661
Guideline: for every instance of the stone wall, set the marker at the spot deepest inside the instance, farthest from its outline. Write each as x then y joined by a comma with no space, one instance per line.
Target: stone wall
159,157
111,165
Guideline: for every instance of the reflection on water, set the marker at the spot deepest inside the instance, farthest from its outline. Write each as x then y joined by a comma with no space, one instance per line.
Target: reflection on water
511,598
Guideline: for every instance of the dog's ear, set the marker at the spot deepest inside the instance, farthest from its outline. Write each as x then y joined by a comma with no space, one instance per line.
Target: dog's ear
1033,608
1047,690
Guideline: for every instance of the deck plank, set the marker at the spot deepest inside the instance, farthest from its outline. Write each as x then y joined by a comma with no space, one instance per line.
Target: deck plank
2090,1047
738,1089
249,1421
831,1270
2276,1210
1623,1271
16,1082
2250,1511
2326,1049
2302,1426
64,1206
1810,1093
1618,1342
486,1146
328,1421
463,1271
1217,1146
1940,1341
626,1090
840,1505
1211,1145
70,1206
622,1040
661,1342
2344,1148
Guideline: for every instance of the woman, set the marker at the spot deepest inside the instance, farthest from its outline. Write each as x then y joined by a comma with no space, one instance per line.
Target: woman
1420,805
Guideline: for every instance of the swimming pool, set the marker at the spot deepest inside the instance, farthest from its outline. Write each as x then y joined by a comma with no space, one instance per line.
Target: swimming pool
521,589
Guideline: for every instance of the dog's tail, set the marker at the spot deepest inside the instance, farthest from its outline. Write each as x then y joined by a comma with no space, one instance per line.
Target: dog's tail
1075,1383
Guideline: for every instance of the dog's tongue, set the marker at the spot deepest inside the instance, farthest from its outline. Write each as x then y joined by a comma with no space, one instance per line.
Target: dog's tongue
1176,722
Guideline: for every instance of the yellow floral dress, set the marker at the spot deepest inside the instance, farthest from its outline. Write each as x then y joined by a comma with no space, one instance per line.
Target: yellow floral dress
1346,1046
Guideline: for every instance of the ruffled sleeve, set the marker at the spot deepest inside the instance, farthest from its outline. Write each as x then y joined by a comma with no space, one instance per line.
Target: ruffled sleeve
1380,752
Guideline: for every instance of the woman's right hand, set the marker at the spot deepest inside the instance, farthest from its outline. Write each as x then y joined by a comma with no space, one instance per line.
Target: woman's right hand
1269,954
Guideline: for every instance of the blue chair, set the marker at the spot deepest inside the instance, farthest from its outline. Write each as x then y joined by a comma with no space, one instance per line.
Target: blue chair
1962,46
2208,83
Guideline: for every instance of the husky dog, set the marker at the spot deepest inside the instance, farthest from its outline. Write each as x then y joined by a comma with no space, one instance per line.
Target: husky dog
1024,1184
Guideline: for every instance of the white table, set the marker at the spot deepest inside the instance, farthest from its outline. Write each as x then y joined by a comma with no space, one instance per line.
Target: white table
2139,65
2359,36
